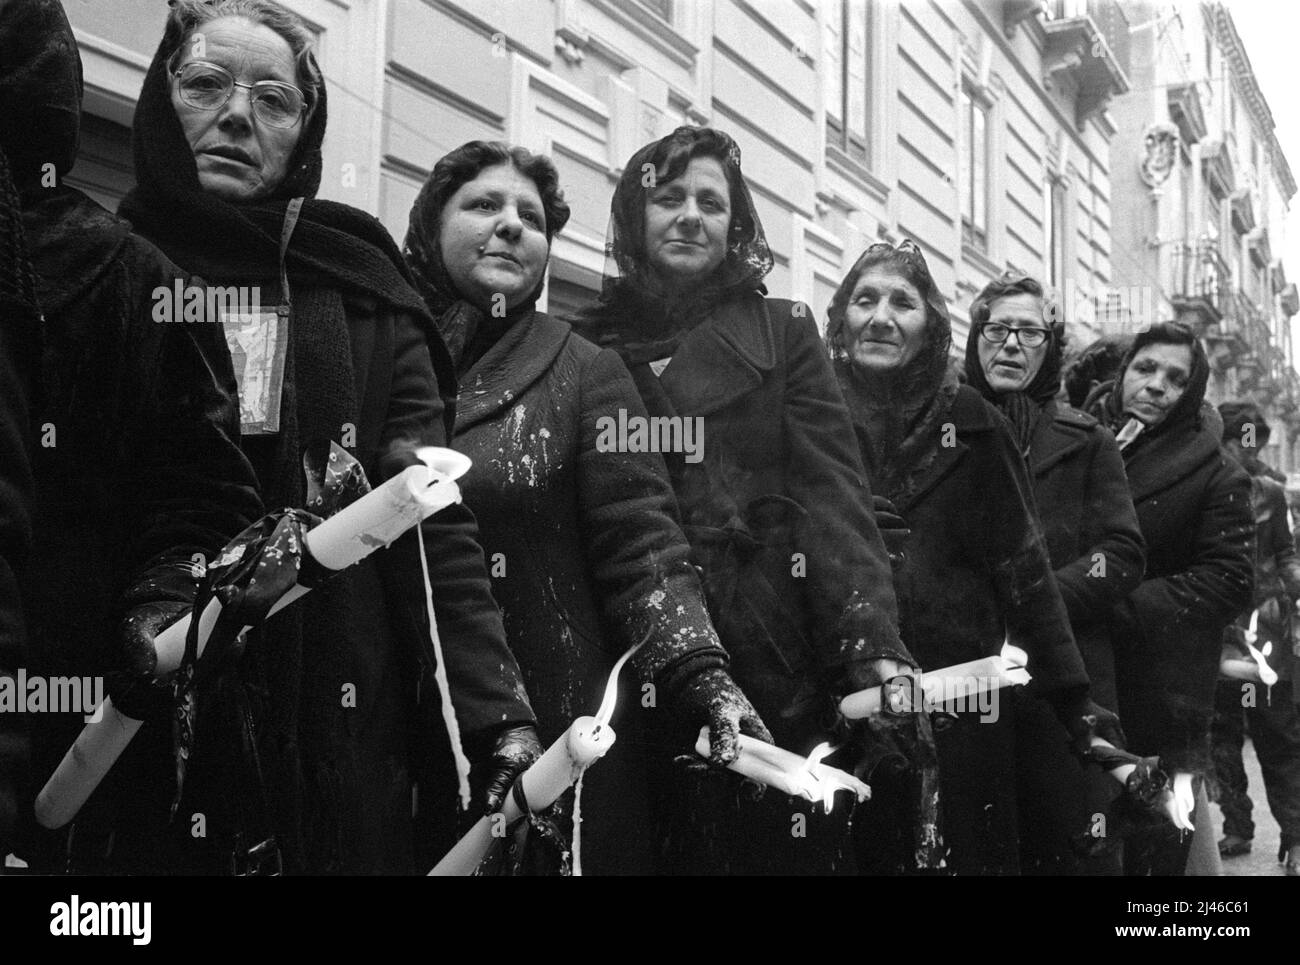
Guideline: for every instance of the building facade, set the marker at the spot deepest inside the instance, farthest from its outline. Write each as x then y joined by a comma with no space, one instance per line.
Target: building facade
1204,187
976,127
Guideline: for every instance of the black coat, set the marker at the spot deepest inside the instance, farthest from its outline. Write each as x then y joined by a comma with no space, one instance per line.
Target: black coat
1277,567
20,321
778,512
586,556
974,574
1193,504
136,464
368,628
1085,508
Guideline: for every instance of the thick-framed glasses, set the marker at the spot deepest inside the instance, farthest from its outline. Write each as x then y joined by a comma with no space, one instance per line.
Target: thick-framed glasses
207,87
998,333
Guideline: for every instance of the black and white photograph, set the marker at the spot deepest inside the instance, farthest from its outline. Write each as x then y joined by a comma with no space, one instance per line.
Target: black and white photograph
658,438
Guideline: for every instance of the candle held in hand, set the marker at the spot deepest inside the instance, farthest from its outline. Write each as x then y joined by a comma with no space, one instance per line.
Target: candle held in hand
804,777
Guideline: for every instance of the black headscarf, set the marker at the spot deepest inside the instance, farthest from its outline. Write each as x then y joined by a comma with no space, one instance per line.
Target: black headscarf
1021,408
335,249
900,414
40,89
636,311
333,245
1109,404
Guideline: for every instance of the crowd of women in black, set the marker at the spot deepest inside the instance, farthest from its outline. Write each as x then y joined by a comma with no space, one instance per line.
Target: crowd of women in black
865,509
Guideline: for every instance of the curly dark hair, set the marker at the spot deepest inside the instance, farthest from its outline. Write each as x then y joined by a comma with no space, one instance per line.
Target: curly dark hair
464,164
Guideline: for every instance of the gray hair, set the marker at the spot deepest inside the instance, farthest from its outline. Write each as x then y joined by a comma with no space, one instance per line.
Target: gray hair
187,16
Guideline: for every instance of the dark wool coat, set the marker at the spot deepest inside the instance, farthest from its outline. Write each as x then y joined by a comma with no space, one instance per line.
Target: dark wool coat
368,628
20,321
1085,509
140,463
778,512
1193,503
586,557
974,574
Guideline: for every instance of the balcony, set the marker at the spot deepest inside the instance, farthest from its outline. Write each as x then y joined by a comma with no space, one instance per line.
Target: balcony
1202,285
1089,43
1243,340
1186,111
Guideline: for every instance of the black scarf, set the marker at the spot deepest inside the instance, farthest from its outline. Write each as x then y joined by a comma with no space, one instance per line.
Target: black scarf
335,250
636,312
40,89
1021,408
1107,400
900,415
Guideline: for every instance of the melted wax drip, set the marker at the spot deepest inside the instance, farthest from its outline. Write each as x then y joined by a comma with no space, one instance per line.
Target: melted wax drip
444,687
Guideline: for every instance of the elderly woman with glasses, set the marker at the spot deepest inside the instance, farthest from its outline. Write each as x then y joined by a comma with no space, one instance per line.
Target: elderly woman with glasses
1013,359
971,569
318,730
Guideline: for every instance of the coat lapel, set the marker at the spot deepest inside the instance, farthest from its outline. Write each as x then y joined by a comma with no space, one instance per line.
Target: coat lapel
969,414
510,367
945,461
722,359
1053,441
1172,457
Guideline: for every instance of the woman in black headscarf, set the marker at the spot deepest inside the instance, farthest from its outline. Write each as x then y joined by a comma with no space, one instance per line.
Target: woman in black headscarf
1013,359
971,570
227,177
1193,504
777,512
593,560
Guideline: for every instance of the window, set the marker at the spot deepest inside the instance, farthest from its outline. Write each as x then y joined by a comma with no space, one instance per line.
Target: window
847,56
1057,232
973,175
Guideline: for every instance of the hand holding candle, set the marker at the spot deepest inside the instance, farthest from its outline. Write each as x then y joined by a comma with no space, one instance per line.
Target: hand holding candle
587,740
957,684
370,523
804,777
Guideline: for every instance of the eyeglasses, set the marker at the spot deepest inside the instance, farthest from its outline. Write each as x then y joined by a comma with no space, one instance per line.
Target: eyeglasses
997,333
207,87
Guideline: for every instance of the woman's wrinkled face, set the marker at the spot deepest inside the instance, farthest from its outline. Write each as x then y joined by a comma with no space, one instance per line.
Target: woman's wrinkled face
493,238
686,224
884,321
239,158
1011,366
1155,380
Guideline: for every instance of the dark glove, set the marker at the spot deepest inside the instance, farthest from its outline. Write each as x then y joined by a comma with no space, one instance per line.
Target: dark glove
893,528
1083,718
712,698
135,691
515,750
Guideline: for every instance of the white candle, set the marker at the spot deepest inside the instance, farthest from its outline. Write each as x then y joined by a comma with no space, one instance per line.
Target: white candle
804,777
344,539
586,741
946,685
